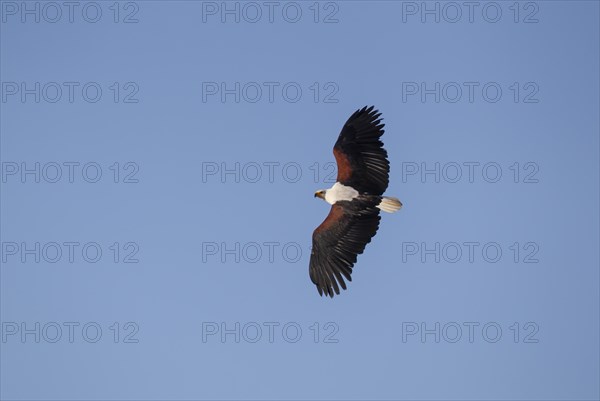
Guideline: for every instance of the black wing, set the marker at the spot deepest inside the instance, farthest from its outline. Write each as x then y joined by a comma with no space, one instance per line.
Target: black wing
359,153
343,235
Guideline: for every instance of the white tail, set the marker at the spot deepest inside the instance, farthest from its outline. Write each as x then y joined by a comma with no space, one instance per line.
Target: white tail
390,204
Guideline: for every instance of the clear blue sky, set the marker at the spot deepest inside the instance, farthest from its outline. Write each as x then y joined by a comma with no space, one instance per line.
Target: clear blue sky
184,143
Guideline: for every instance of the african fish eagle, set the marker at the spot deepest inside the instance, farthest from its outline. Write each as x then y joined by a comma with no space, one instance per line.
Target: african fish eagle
356,199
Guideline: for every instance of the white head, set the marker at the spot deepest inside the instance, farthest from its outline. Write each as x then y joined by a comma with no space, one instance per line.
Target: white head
320,194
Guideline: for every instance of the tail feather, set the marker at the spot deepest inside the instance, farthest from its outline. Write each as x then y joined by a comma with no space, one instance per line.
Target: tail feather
390,204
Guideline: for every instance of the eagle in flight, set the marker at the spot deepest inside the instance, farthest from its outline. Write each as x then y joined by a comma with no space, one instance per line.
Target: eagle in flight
356,199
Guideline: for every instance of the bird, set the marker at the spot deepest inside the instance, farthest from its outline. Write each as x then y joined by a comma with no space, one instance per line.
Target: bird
356,200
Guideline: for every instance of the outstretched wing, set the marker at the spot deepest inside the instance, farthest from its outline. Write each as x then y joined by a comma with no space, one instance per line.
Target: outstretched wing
361,159
343,235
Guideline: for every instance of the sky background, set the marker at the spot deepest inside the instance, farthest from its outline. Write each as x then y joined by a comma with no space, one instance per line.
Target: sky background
184,141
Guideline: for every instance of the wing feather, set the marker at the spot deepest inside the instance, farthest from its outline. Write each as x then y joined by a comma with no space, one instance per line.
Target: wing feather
342,236
361,159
